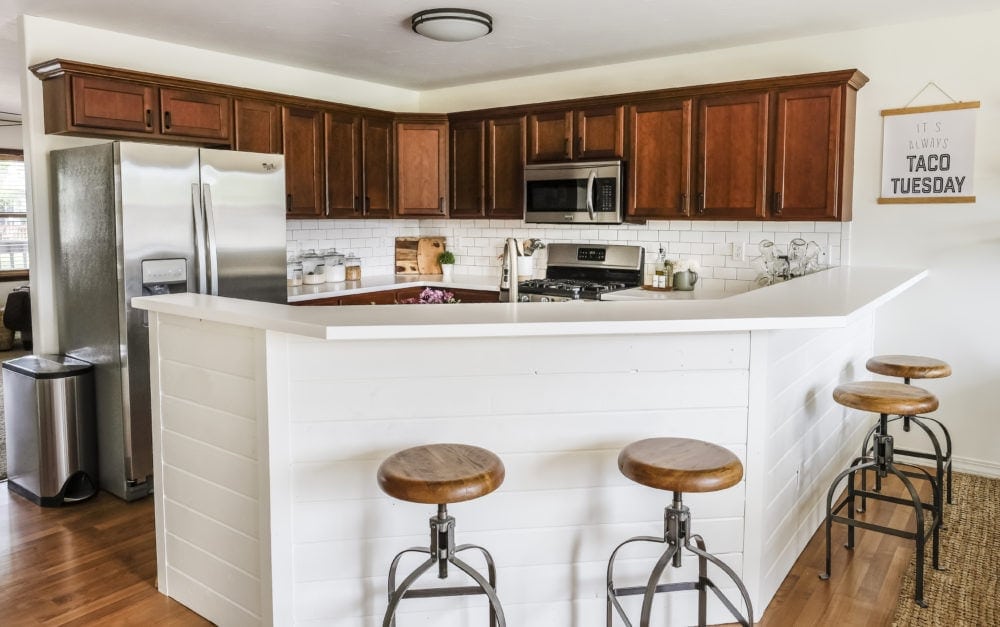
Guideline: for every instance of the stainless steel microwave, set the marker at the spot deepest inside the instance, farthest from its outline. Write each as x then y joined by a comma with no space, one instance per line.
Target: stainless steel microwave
581,193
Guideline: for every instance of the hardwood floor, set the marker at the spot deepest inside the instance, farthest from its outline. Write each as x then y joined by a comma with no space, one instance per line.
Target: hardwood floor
91,563
95,563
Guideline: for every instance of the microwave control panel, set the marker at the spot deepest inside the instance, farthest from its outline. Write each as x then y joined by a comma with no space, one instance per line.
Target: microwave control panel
605,195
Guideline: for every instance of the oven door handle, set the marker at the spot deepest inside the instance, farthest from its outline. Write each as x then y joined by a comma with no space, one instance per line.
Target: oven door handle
590,193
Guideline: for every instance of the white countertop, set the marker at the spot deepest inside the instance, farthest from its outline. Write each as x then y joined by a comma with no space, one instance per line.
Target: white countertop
390,281
824,299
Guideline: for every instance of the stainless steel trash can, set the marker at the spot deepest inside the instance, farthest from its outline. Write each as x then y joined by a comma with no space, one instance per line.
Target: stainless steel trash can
51,430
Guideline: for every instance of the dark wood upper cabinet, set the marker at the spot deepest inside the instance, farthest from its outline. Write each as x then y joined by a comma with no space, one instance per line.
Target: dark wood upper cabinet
303,149
599,133
550,136
422,170
731,157
344,177
807,154
256,126
104,103
195,114
659,158
487,167
379,200
467,168
506,143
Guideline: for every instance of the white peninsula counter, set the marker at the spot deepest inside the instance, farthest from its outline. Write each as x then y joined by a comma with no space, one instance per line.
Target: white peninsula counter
270,422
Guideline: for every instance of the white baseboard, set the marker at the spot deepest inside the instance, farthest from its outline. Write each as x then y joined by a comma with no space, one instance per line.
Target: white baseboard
975,466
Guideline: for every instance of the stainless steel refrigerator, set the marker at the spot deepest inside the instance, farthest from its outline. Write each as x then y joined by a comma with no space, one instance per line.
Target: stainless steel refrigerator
134,219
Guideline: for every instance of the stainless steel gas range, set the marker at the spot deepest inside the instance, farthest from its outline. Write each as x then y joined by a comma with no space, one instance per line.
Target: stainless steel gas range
585,272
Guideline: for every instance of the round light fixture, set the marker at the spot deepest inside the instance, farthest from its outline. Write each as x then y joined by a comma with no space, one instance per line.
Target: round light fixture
452,24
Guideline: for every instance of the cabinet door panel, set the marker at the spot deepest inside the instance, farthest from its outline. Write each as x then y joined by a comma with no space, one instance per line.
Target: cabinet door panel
385,297
303,148
732,156
475,296
420,175
194,114
257,126
379,200
599,133
467,169
551,136
343,165
807,145
505,168
659,154
112,104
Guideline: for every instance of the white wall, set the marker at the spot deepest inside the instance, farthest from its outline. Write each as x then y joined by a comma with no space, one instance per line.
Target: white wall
10,137
951,315
44,39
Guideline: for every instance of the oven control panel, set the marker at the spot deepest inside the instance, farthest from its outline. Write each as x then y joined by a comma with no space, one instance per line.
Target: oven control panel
591,254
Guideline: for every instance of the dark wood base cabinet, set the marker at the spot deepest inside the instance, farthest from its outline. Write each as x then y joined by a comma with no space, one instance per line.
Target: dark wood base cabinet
398,295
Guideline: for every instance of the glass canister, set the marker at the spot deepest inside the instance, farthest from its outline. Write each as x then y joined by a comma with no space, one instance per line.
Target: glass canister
336,272
353,267
294,272
310,259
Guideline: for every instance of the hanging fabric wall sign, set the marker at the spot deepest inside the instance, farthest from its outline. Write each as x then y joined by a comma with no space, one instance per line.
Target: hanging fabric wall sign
928,153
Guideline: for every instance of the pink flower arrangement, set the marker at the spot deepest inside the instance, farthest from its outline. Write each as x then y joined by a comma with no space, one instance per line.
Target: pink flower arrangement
432,296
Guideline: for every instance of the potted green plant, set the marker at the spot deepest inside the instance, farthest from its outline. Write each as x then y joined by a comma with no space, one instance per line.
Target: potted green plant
447,261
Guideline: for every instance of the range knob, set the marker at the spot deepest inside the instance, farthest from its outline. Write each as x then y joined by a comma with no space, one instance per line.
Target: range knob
523,298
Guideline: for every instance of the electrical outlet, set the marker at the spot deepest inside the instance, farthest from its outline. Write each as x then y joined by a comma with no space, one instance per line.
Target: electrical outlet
739,251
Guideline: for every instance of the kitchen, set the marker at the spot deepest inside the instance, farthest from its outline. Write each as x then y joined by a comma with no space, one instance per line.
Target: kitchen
878,235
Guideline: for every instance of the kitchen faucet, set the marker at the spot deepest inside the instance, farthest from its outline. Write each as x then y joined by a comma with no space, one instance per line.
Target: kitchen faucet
508,271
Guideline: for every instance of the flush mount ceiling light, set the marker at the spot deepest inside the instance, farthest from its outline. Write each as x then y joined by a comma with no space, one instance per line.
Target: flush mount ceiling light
452,24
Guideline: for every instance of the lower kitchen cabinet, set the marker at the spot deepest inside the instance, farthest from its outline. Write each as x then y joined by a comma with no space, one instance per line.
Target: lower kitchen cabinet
398,295
476,296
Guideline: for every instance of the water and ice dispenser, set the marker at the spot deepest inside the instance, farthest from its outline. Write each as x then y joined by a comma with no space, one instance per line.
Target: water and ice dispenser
164,276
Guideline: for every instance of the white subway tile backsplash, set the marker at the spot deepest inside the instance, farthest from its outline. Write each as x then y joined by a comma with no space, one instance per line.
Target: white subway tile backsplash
478,243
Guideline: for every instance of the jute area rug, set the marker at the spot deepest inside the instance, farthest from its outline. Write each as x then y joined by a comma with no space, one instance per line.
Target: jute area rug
968,593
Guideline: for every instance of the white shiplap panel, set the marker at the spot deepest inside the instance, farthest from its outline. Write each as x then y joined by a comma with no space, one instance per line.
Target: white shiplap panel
528,356
211,536
204,600
327,441
229,508
225,392
349,559
559,470
501,395
385,517
225,579
530,586
211,426
212,346
210,463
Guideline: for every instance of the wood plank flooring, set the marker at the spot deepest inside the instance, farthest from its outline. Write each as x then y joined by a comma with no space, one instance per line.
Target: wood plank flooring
95,563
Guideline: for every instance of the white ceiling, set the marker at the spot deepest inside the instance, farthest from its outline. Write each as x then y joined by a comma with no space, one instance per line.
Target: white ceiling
372,40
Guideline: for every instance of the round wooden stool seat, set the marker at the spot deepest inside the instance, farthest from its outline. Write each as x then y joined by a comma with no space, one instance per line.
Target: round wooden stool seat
885,397
908,366
440,473
680,465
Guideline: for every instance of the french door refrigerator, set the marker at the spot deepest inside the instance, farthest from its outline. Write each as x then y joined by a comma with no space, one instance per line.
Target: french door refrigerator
133,219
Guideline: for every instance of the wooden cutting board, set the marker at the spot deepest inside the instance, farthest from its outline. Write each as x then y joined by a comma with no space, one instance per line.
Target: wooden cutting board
418,255
428,249
406,255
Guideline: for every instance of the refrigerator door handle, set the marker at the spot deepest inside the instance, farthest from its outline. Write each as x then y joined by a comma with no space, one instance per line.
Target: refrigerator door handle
213,252
199,238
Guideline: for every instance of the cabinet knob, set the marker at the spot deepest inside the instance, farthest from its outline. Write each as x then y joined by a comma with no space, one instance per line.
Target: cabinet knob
701,203
288,202
357,204
166,119
566,147
441,204
777,203
683,206
149,118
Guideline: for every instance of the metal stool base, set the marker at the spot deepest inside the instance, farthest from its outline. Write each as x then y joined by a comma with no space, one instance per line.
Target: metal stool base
443,552
676,535
882,464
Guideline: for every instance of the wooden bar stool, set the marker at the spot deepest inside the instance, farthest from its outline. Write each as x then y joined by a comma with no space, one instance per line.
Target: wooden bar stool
441,474
909,367
886,398
679,465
